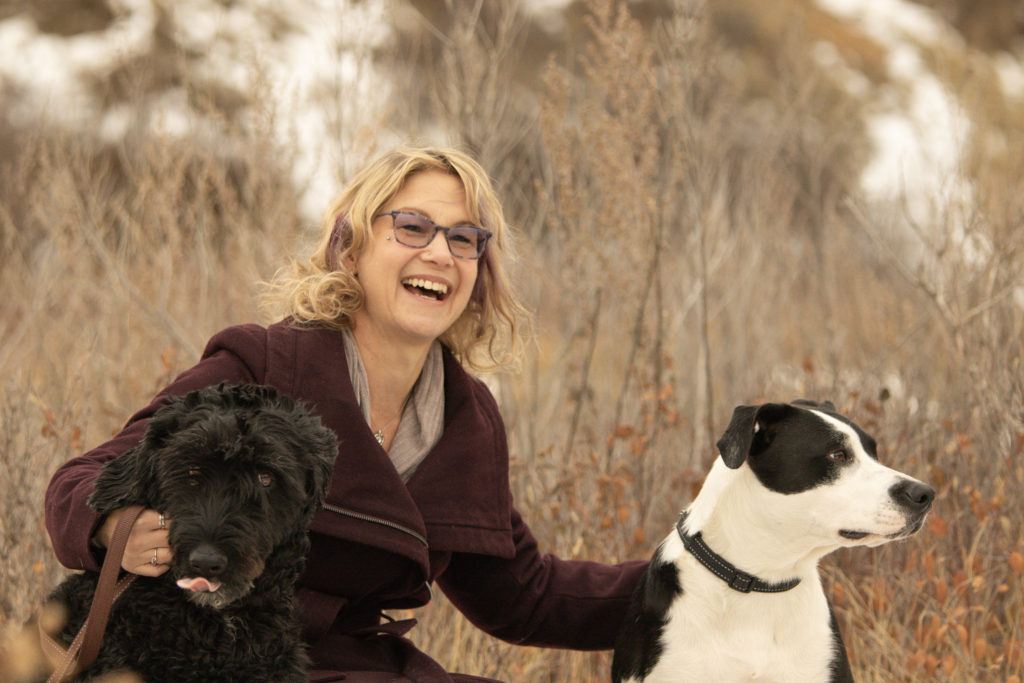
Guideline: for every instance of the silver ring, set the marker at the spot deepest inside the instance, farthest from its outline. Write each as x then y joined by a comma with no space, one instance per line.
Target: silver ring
161,522
152,560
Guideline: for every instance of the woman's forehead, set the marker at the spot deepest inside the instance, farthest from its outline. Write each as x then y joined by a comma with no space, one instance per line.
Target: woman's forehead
436,194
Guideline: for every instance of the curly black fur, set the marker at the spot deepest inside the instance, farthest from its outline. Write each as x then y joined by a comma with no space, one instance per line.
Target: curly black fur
239,471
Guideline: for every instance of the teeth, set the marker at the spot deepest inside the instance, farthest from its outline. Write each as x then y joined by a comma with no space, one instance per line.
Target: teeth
426,284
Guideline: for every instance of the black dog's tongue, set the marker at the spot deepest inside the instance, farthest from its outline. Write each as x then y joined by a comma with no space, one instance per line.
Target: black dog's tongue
198,584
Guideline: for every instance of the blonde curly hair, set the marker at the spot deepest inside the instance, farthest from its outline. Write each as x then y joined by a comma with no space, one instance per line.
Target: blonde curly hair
322,291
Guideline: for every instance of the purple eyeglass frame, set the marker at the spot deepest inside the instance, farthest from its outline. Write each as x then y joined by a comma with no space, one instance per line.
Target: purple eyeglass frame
485,235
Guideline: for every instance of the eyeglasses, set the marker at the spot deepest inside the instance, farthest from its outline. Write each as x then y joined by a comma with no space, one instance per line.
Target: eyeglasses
416,231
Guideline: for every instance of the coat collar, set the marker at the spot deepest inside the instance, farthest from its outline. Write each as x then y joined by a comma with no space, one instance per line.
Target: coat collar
458,498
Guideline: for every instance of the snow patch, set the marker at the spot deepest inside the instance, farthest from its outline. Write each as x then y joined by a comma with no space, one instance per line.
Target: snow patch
917,127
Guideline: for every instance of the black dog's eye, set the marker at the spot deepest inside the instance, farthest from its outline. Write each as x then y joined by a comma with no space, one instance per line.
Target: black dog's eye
839,456
193,476
266,479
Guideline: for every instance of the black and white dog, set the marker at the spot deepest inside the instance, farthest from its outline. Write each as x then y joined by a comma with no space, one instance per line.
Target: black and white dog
733,593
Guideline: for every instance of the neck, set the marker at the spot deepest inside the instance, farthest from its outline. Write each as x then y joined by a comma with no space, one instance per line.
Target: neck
391,371
736,524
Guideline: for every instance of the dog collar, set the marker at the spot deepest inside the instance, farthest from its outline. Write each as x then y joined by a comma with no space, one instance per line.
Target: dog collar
733,577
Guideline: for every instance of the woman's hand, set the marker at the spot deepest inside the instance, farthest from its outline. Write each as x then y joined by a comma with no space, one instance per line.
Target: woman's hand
147,552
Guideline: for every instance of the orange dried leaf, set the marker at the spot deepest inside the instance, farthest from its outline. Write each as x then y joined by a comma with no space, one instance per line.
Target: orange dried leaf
948,664
1017,562
980,648
938,526
838,595
639,537
624,432
928,562
168,357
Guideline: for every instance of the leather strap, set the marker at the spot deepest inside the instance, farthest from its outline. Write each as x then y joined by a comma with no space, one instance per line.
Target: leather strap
86,646
717,565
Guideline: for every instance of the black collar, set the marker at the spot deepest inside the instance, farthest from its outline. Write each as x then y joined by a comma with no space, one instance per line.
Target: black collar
733,577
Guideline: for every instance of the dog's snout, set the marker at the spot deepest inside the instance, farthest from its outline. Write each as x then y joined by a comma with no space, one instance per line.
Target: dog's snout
207,561
913,495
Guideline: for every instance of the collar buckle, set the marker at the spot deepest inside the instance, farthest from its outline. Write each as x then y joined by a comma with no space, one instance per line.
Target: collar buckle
742,582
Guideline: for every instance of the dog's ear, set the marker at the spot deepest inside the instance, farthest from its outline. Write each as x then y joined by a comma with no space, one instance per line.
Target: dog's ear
807,403
169,418
323,451
126,480
746,422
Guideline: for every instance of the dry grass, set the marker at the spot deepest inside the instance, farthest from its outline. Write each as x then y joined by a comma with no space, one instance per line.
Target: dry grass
693,238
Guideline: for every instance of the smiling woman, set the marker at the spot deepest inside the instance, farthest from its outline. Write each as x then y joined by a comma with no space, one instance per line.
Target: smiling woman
406,286
326,289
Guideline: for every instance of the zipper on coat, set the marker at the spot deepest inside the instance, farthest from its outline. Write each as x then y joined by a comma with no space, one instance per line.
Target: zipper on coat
377,520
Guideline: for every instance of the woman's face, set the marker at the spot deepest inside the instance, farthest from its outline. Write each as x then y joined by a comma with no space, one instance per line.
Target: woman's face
401,302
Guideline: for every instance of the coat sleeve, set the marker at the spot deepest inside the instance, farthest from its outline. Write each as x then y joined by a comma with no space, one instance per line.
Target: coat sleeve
238,354
538,599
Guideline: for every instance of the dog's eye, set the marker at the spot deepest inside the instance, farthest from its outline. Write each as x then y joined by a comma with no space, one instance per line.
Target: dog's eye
840,455
266,479
193,476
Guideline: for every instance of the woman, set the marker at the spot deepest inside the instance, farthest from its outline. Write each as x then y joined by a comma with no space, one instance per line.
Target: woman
406,286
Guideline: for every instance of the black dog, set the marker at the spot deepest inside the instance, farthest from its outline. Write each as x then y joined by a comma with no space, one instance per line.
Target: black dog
239,472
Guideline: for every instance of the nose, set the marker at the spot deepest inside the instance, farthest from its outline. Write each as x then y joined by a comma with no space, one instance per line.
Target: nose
207,561
437,250
913,495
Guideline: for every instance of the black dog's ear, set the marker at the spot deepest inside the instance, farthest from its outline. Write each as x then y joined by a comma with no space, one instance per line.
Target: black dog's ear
323,451
127,480
168,420
745,423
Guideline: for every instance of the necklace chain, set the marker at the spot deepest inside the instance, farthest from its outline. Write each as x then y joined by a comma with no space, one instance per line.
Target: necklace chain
378,434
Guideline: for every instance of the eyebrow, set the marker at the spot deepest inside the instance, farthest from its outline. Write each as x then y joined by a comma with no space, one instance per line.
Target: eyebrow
425,214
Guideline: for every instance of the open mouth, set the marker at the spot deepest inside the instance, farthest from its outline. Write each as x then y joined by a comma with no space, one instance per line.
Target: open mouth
426,289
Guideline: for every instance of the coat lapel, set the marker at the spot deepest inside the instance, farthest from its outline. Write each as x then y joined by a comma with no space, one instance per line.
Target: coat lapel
458,498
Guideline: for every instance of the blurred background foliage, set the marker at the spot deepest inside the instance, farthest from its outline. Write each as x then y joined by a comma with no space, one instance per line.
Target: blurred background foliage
705,214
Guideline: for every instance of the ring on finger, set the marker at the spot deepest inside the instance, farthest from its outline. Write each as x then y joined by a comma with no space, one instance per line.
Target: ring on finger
153,560
161,521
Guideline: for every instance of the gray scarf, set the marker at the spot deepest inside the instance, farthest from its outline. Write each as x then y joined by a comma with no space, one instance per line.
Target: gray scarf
422,419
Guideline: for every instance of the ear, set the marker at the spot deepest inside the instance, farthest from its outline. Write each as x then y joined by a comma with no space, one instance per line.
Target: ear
827,405
323,451
746,421
126,480
341,238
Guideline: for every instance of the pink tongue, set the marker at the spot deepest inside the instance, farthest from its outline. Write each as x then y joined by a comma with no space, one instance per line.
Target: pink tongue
198,585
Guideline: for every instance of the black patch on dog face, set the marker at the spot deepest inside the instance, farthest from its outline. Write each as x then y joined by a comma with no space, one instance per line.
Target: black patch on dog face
638,647
796,451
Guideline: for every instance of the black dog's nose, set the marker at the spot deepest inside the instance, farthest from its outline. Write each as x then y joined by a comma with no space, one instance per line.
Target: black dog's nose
207,561
913,495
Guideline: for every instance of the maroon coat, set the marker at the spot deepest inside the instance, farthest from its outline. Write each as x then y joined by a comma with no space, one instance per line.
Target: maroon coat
381,544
